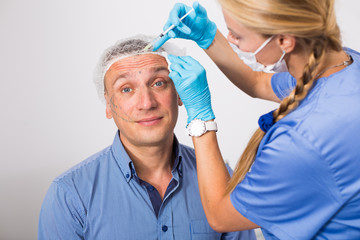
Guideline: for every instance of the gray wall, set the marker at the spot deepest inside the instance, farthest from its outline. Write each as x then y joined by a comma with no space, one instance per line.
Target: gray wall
51,117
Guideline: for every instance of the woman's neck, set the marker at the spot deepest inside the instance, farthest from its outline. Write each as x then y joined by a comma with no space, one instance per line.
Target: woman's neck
333,62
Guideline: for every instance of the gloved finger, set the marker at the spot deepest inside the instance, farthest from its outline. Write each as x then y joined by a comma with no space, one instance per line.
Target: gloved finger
199,10
177,68
187,62
178,10
160,42
183,28
179,61
175,77
176,59
176,13
188,59
173,58
169,23
171,34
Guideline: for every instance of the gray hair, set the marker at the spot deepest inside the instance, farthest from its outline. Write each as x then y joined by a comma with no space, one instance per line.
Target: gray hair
124,48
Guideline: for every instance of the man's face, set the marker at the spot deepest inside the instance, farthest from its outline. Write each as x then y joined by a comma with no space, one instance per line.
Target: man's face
142,100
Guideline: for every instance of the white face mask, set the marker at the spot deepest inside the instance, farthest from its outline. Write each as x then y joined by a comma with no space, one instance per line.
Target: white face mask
249,58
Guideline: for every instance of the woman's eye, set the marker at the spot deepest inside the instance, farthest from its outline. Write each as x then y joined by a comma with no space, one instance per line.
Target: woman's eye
126,90
233,36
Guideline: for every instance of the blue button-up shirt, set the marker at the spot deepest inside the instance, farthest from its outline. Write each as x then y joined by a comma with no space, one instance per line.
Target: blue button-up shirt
102,198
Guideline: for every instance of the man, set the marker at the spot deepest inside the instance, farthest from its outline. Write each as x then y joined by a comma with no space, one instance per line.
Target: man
143,186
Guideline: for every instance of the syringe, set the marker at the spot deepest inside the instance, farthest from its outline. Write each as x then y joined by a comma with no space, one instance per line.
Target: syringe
165,32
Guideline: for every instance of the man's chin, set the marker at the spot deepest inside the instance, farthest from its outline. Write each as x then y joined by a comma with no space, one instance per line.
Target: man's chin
153,139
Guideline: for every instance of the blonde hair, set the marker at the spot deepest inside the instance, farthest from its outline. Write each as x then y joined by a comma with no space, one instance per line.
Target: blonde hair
312,23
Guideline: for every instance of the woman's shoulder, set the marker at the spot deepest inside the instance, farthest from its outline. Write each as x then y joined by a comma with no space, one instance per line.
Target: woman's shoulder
352,52
355,55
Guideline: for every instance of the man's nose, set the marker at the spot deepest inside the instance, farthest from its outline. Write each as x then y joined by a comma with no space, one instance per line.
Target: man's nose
146,99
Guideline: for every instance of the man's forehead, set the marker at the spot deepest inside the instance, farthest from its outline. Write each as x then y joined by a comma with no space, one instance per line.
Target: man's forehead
137,62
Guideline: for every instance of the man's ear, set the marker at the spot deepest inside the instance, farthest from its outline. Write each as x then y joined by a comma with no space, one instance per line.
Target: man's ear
286,42
180,103
108,108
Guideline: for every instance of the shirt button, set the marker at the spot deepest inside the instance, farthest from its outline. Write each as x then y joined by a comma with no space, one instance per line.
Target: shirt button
150,188
127,175
164,228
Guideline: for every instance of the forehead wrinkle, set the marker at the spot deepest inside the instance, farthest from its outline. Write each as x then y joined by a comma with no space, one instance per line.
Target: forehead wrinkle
126,66
161,68
155,69
139,61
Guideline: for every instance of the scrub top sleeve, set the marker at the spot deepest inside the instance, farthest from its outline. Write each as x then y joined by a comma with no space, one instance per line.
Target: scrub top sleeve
242,235
290,191
229,169
60,217
282,84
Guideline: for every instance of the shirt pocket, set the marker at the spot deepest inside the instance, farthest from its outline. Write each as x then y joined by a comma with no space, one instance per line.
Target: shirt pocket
201,230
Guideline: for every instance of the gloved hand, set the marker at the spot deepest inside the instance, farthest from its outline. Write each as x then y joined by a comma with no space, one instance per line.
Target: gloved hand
196,26
191,84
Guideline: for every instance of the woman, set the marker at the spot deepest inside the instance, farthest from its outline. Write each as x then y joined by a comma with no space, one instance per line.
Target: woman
298,177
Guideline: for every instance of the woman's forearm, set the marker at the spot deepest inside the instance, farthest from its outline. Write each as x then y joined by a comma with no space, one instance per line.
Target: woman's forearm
213,175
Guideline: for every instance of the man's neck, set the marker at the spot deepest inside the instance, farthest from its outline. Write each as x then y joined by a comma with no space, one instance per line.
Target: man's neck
153,164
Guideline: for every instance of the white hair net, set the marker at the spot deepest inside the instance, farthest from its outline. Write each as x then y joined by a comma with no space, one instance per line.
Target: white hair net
124,48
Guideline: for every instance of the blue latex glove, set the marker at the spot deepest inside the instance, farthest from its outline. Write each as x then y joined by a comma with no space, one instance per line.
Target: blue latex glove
196,26
191,84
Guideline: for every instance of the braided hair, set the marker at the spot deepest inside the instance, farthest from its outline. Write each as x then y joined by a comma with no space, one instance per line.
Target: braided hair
313,24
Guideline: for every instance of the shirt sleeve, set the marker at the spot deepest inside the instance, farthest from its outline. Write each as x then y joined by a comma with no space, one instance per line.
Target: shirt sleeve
61,216
243,235
290,191
282,84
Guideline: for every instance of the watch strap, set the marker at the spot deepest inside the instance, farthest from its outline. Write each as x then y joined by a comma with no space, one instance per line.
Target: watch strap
211,126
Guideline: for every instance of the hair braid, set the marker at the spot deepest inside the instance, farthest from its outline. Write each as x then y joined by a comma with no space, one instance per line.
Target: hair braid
303,85
313,24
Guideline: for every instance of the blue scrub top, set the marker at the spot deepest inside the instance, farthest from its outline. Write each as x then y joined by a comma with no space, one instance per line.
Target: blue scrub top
305,180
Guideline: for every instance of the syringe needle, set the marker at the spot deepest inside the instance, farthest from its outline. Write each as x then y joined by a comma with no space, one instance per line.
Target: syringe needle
165,32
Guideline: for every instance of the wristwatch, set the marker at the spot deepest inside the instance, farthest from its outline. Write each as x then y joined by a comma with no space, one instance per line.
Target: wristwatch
198,127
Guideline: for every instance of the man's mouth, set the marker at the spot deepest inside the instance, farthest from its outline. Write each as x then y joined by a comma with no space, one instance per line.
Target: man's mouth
150,121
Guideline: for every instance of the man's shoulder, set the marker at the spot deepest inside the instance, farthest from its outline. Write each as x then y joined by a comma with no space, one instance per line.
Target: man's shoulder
187,148
188,158
187,152
86,167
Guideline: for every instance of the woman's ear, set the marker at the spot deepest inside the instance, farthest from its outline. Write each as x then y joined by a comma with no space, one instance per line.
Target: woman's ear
286,42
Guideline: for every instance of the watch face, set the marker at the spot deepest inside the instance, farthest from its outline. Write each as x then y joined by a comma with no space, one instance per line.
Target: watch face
197,128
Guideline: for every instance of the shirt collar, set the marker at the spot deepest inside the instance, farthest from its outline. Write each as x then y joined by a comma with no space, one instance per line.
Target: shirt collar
122,158
126,165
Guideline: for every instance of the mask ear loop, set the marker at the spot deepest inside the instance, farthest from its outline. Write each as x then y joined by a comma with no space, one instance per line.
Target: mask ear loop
264,44
272,66
282,56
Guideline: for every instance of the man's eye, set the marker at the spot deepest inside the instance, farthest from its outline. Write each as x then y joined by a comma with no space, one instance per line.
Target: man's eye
159,84
126,90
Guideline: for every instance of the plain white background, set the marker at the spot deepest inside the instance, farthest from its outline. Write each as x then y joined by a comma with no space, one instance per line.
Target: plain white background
51,117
